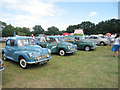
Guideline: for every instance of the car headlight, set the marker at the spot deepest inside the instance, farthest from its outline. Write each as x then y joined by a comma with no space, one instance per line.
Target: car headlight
48,55
49,51
69,47
75,45
92,44
30,54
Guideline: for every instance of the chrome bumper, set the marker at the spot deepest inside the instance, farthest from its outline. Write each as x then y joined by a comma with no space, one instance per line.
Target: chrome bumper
72,51
35,62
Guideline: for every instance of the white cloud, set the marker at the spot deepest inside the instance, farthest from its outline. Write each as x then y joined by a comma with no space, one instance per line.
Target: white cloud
93,14
26,13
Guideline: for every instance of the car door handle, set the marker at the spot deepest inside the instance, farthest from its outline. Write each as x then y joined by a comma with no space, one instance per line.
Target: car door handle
9,49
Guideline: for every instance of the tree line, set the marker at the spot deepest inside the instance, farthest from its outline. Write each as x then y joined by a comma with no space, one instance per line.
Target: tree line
111,26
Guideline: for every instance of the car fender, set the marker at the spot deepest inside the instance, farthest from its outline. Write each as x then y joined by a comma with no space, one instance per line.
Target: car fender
62,47
4,50
17,54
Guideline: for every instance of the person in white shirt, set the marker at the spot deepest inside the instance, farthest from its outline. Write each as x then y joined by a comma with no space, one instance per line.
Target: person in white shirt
115,47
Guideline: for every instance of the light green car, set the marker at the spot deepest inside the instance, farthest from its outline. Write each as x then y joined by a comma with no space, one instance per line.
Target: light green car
81,43
56,44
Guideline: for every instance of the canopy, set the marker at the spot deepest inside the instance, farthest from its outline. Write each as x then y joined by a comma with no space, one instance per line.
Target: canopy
65,34
100,34
108,34
78,32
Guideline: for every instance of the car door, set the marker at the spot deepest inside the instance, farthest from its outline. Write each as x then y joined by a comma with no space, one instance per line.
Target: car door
96,40
11,47
93,38
79,44
52,45
7,47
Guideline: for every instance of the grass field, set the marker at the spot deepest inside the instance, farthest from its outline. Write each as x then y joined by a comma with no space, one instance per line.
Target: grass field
94,69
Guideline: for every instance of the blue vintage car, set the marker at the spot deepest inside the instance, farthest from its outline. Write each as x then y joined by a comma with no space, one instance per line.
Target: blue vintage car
25,51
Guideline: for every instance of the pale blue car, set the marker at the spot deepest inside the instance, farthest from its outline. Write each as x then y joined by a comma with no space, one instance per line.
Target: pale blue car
24,51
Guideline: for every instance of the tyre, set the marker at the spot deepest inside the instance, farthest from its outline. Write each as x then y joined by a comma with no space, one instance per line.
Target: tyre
23,63
4,56
62,52
102,44
87,48
41,46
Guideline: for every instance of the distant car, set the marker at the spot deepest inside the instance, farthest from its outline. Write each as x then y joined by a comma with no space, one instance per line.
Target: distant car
81,43
100,40
1,65
3,40
25,51
57,45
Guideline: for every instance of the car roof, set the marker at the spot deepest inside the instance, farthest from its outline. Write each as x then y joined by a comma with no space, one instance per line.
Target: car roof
20,37
54,36
94,35
74,36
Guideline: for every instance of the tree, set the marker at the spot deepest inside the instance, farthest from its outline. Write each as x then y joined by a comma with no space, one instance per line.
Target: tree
8,31
71,28
88,27
26,31
111,26
52,31
38,30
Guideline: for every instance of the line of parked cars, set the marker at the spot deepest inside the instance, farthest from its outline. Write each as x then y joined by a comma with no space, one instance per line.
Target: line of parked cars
26,50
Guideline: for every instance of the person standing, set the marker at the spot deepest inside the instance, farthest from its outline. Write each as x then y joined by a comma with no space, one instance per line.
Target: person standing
32,35
115,47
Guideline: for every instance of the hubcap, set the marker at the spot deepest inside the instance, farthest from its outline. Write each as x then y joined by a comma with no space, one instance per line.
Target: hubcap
4,56
23,63
102,44
87,48
62,53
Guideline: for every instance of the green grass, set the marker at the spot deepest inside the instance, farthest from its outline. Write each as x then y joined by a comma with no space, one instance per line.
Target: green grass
94,69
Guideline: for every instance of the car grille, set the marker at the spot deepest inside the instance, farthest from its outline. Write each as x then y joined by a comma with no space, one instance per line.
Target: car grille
41,57
72,49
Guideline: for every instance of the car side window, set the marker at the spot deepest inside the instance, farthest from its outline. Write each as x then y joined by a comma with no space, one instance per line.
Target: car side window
91,38
95,38
8,42
11,43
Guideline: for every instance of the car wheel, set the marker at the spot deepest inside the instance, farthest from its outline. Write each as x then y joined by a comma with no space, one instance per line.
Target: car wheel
23,63
62,52
102,44
87,48
4,57
41,46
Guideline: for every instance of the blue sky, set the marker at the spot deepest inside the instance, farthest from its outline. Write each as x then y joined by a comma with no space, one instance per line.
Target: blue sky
22,13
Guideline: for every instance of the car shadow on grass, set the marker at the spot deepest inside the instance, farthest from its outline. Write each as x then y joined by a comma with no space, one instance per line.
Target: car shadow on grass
16,64
32,66
70,54
82,50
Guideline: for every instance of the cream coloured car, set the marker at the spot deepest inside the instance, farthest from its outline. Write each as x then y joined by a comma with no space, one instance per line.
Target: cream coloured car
100,40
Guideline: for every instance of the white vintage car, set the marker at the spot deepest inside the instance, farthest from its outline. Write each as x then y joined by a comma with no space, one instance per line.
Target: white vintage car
99,40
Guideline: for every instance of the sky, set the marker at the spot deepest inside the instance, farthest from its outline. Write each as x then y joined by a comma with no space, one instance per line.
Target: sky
62,13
